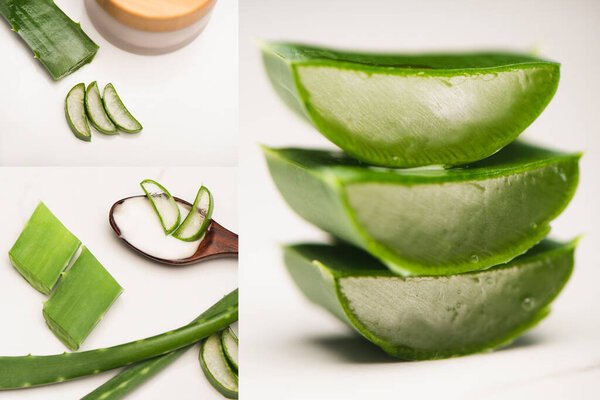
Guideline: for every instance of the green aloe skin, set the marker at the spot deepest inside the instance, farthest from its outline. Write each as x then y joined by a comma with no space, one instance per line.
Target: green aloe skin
431,221
132,377
58,42
28,371
431,317
400,110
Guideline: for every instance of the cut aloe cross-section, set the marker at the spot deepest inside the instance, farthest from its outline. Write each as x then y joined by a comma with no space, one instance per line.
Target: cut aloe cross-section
413,110
84,295
216,368
431,221
58,42
43,250
117,111
95,110
163,203
196,223
75,110
230,347
430,317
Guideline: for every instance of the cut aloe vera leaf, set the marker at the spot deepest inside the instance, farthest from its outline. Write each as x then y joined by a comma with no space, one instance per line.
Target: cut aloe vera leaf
196,222
413,110
75,111
117,111
56,40
216,368
229,341
428,317
431,221
132,377
85,293
95,110
43,250
164,204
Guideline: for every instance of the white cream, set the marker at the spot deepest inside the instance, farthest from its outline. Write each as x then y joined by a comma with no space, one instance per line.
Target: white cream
139,225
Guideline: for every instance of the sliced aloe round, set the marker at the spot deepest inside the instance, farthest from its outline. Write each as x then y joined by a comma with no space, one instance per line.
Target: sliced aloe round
428,317
431,221
412,110
75,112
230,347
163,203
215,367
117,111
95,110
198,219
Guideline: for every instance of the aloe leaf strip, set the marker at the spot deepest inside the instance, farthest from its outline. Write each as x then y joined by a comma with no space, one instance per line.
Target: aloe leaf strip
161,209
216,368
57,41
229,341
75,112
28,371
132,377
196,222
95,110
117,111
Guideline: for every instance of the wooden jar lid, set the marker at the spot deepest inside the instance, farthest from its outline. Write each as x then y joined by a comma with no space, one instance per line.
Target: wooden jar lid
157,15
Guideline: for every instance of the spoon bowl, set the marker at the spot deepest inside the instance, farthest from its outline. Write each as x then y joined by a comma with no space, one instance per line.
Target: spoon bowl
218,242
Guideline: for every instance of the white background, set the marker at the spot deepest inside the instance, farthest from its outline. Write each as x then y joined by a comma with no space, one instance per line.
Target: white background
156,298
186,100
293,350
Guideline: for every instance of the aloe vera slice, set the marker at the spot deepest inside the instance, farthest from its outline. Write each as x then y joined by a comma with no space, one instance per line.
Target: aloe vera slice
58,42
216,368
230,347
95,110
85,293
431,221
132,377
412,110
117,111
43,250
164,204
28,371
428,317
75,111
196,222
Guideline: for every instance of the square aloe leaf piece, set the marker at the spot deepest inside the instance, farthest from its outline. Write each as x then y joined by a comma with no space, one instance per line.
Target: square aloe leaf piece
410,110
431,221
81,299
429,317
43,250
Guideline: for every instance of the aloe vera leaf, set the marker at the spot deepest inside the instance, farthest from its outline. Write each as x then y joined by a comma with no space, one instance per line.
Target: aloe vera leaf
230,347
117,111
28,371
85,293
428,317
132,377
164,204
75,112
216,368
43,249
198,219
56,40
95,110
412,110
431,221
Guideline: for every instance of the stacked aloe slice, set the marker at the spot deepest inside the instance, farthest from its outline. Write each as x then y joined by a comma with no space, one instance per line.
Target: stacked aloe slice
439,216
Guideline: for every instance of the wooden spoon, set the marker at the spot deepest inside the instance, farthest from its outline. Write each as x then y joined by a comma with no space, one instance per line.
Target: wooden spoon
218,242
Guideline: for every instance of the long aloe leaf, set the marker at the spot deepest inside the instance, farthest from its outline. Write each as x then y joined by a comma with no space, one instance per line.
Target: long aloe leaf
401,110
427,317
132,377
431,221
58,42
28,371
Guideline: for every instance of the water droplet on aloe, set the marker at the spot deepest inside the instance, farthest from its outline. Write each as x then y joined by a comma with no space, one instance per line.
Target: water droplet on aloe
534,225
527,304
474,258
563,177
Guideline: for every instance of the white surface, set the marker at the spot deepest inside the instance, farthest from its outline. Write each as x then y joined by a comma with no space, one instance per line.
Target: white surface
187,100
292,350
156,298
